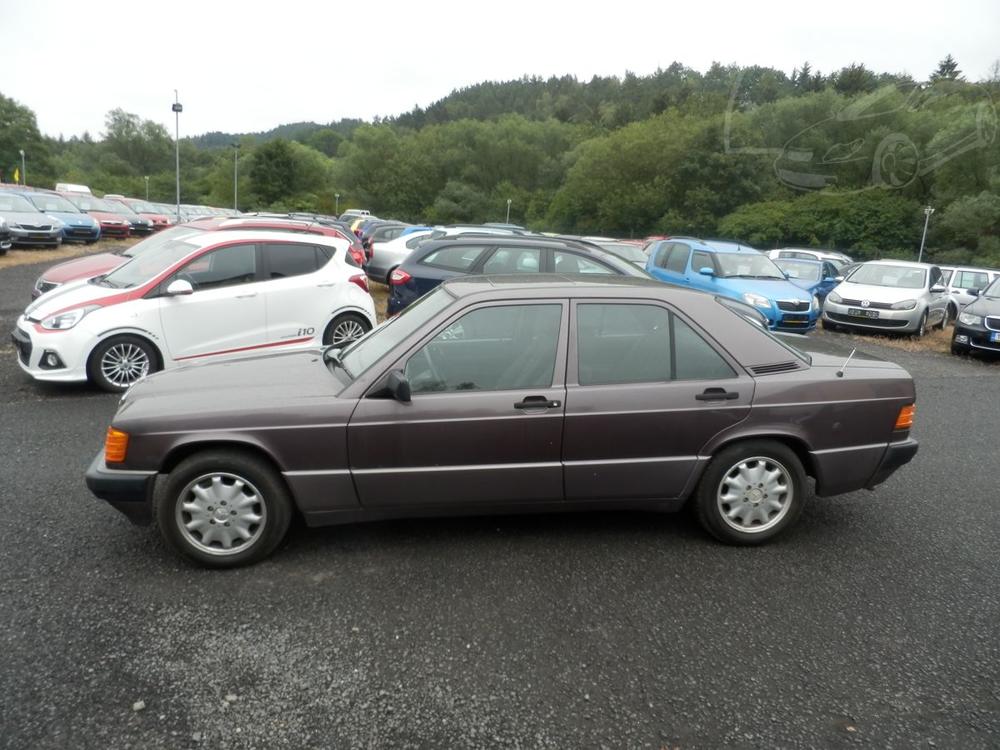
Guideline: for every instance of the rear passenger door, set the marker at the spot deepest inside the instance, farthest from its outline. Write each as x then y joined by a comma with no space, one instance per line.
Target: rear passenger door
299,300
645,390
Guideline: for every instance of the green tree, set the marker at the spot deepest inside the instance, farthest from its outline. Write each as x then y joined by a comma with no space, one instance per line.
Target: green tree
272,172
19,131
947,70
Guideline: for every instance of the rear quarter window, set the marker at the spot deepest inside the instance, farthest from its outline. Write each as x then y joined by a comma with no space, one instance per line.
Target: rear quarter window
458,258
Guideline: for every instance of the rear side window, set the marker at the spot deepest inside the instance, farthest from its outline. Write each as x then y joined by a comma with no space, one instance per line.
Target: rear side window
573,263
458,258
679,259
971,280
514,260
285,259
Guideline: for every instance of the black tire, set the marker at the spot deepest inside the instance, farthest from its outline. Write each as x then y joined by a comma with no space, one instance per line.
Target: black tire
827,326
248,482
921,327
718,481
127,349
344,322
90,242
958,350
951,313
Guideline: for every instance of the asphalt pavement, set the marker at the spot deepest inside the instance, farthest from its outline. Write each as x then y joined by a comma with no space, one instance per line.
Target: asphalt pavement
874,623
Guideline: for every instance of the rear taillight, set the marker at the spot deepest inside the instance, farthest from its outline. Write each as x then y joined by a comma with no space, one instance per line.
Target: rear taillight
361,280
398,277
357,256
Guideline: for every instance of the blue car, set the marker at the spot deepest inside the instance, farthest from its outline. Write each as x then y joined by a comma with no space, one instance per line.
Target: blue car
737,271
818,277
80,226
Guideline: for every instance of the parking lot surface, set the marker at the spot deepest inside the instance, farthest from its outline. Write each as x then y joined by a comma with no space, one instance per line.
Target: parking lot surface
873,623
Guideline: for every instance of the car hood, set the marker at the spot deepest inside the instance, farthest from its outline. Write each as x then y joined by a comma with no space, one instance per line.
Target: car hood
73,219
106,216
876,293
983,306
217,394
770,288
77,293
809,286
26,217
83,268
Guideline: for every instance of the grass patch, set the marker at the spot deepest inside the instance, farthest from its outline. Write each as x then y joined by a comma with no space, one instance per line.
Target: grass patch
933,341
65,251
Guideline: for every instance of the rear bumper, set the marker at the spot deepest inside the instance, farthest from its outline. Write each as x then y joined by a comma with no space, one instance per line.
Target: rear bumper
896,456
130,492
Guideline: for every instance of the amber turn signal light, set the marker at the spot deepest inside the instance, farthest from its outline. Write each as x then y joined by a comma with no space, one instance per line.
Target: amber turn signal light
905,419
115,446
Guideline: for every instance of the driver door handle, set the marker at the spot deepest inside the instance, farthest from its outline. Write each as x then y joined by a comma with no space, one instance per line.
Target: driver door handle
246,296
537,402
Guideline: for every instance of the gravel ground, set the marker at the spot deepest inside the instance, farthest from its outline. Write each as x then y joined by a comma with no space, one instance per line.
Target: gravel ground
872,624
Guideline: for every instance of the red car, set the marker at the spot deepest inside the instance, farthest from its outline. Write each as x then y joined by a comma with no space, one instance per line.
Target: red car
146,210
112,224
96,265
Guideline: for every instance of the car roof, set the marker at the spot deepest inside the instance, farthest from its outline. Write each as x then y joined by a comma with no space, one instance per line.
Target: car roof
815,261
891,262
204,238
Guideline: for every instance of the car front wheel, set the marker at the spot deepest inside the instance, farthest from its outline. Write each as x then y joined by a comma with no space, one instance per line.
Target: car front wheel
120,361
921,326
751,492
223,508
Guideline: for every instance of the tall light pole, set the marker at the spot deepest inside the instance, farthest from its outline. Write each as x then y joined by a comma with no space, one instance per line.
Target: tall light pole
508,210
177,108
146,178
337,209
24,172
927,217
236,176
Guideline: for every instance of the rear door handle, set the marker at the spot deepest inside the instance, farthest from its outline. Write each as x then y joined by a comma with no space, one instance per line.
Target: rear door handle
246,296
537,402
717,394
331,283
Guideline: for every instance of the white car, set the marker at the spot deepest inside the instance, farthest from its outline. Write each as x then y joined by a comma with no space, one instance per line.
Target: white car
197,297
962,282
838,259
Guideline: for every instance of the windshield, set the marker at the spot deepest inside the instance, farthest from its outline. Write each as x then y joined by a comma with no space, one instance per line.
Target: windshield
747,266
149,263
142,207
89,203
369,349
900,277
53,203
158,240
625,251
993,290
800,269
120,208
15,203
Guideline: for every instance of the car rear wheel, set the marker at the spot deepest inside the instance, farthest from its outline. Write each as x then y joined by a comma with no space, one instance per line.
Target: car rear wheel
121,361
751,492
223,508
344,329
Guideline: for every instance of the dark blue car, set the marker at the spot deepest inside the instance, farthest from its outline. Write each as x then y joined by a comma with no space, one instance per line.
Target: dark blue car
438,260
737,271
818,277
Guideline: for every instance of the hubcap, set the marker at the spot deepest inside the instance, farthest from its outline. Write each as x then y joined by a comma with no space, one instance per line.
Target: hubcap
221,514
347,331
124,363
755,494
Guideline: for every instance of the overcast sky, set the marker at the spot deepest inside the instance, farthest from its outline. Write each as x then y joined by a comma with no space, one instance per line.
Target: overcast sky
249,66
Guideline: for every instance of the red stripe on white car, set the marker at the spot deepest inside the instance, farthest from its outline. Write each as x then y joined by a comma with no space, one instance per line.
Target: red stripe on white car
247,348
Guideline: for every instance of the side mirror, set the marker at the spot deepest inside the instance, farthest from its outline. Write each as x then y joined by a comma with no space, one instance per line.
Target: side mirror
399,386
973,292
938,289
838,279
706,271
179,287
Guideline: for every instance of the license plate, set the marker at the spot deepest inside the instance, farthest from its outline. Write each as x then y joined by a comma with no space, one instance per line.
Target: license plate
38,236
995,337
859,313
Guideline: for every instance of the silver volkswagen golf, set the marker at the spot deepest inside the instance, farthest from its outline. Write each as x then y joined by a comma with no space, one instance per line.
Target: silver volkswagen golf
892,296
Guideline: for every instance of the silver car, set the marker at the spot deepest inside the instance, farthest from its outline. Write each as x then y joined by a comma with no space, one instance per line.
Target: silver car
387,255
890,296
29,226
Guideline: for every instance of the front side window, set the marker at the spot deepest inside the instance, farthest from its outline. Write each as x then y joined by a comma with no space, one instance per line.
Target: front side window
514,260
490,349
227,266
457,258
700,260
624,343
286,259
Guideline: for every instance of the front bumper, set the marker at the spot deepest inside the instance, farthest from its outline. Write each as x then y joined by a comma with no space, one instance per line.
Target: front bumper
130,492
115,230
72,351
81,234
975,337
896,456
36,237
899,321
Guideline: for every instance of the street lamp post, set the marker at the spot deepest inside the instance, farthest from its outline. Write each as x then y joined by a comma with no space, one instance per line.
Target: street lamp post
146,178
24,171
337,209
508,211
236,177
927,217
177,109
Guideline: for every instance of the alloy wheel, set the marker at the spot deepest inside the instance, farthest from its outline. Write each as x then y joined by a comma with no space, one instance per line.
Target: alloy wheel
755,494
124,363
221,513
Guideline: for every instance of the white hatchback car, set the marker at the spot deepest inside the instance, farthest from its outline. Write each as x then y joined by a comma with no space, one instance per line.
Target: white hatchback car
197,297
